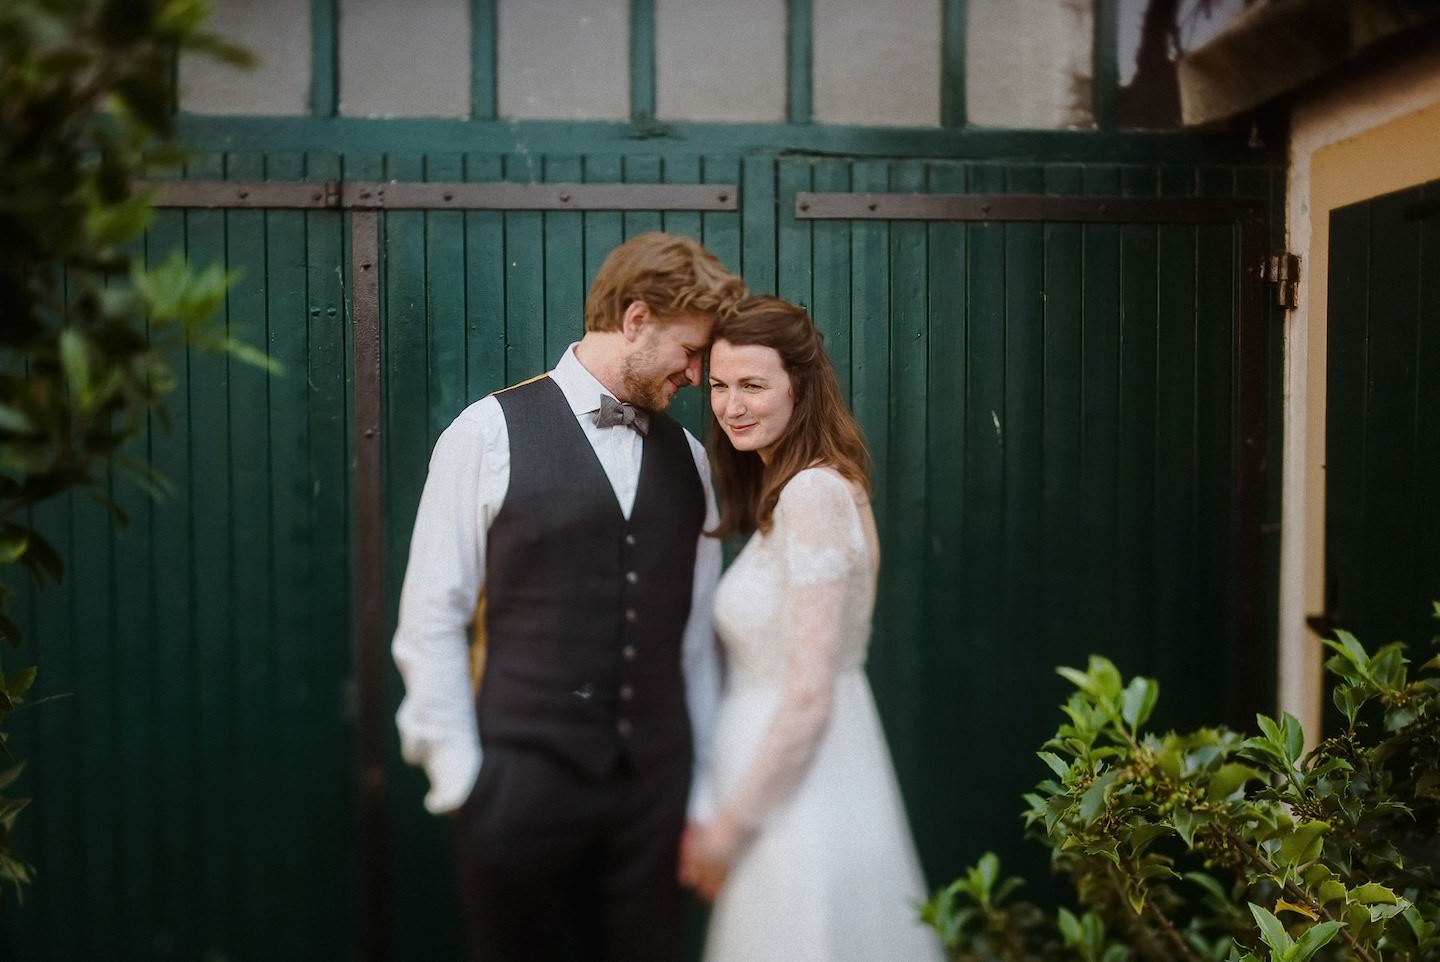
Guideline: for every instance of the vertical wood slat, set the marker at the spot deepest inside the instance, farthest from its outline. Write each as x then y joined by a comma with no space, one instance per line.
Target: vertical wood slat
322,619
642,61
1105,82
484,60
690,407
564,266
324,58
485,360
953,108
906,496
799,61
213,612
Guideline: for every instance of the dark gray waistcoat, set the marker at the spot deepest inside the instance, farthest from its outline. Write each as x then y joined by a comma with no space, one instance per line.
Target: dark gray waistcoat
585,610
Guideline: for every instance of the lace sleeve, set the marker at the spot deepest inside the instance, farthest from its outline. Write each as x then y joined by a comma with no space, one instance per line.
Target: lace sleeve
816,526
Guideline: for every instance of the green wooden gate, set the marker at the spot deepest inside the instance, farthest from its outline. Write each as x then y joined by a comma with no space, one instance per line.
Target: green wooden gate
1382,524
1062,374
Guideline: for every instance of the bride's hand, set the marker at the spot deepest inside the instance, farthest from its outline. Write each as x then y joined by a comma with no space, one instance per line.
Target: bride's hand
706,852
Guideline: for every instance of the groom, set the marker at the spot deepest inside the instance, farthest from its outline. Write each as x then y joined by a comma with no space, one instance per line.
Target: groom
573,509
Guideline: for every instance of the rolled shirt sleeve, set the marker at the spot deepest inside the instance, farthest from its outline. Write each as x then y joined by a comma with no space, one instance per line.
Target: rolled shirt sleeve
469,470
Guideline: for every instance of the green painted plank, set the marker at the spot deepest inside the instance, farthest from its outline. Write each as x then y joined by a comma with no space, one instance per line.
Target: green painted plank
684,169
524,260
1389,489
484,288
830,259
1175,604
1100,395
1062,521
799,61
51,828
894,656
565,286
214,610
983,591
945,797
604,230
869,335
690,407
643,169
293,900
952,62
484,35
794,258
1105,80
445,263
1022,423
249,643
1135,482
1213,411
324,59
175,652
642,61
1347,363
322,662
757,223
720,230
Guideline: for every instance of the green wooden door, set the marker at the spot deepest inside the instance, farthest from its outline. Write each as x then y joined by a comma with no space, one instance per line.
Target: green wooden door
192,790
1051,407
1382,440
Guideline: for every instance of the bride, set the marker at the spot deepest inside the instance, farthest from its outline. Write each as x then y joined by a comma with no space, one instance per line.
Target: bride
808,855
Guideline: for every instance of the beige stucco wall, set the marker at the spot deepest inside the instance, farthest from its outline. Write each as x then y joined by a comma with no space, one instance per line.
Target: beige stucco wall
1349,142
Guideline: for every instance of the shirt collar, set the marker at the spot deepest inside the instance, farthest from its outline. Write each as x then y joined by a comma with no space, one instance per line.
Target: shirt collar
582,391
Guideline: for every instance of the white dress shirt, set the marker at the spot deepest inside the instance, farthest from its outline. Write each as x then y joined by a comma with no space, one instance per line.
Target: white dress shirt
469,475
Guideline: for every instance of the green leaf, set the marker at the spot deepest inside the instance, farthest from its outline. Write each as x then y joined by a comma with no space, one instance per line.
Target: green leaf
1069,927
75,358
253,356
1272,932
1057,765
11,773
1138,701
1093,801
14,540
1372,893
1302,844
16,420
1228,778
1313,939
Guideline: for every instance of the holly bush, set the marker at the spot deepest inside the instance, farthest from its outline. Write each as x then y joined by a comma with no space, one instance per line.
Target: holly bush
87,332
1215,845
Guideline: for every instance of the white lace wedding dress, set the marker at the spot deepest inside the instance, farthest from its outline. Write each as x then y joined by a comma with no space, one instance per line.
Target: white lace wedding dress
799,756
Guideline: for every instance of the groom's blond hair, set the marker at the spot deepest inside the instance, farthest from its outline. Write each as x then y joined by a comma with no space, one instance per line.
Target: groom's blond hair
671,273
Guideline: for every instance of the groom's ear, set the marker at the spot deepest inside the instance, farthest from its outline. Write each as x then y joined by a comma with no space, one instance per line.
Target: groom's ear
632,322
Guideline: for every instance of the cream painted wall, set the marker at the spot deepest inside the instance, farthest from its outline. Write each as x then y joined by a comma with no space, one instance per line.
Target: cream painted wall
720,61
277,32
1028,63
1350,142
395,62
877,63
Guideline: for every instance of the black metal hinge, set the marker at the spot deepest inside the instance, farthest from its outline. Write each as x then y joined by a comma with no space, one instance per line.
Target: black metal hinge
1283,271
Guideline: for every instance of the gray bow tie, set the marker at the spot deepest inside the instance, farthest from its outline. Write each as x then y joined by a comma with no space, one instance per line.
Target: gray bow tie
613,412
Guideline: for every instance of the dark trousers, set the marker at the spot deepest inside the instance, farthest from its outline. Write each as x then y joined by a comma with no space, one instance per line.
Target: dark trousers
557,866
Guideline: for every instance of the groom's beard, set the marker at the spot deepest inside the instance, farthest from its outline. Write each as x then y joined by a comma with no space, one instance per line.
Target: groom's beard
644,386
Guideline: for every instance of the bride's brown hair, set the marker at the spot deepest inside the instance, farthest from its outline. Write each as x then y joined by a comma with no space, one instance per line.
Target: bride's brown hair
822,431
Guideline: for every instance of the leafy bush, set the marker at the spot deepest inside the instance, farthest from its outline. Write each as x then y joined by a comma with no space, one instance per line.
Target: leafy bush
1213,845
86,333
